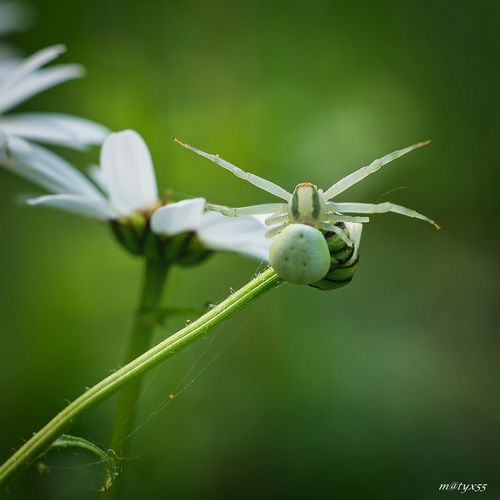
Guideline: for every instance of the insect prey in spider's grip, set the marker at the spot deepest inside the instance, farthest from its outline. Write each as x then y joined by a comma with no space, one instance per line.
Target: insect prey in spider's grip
300,252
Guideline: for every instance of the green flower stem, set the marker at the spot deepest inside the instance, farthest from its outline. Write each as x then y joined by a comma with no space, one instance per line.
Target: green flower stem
140,340
44,438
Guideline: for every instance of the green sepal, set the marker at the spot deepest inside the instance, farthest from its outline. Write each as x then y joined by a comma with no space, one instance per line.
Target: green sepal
184,249
134,234
131,232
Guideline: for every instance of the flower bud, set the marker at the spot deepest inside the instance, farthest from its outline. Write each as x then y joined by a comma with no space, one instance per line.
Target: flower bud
343,258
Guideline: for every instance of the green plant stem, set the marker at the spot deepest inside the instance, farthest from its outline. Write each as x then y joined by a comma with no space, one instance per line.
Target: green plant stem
140,340
44,438
65,441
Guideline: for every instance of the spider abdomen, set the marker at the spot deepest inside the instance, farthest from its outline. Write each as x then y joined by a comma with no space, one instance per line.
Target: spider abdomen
300,255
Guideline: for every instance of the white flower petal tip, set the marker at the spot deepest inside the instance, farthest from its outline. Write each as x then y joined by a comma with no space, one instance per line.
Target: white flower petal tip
93,208
18,88
128,172
32,63
52,52
20,80
25,79
54,128
179,217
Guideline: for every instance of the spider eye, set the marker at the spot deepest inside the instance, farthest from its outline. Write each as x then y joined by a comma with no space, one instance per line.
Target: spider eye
300,254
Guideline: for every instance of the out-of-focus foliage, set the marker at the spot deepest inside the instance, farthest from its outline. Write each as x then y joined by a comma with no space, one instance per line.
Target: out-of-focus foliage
383,389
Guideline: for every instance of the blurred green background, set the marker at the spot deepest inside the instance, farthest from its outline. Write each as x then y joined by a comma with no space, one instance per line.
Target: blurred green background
383,389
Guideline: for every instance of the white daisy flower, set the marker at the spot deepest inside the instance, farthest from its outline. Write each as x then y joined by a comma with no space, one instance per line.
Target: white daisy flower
20,80
125,187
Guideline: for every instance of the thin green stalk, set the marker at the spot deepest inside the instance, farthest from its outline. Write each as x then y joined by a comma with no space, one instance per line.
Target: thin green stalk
44,438
65,441
140,340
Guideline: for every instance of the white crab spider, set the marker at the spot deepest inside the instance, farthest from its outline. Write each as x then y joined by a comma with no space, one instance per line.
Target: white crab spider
299,254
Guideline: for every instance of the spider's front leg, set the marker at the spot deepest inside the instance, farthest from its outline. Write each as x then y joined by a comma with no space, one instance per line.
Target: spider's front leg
261,183
379,208
277,211
358,175
334,229
266,208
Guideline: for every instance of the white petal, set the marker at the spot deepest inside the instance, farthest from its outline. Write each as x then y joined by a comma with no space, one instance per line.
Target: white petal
17,145
37,60
46,169
77,204
55,128
35,83
128,171
31,64
7,66
245,235
176,218
355,229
